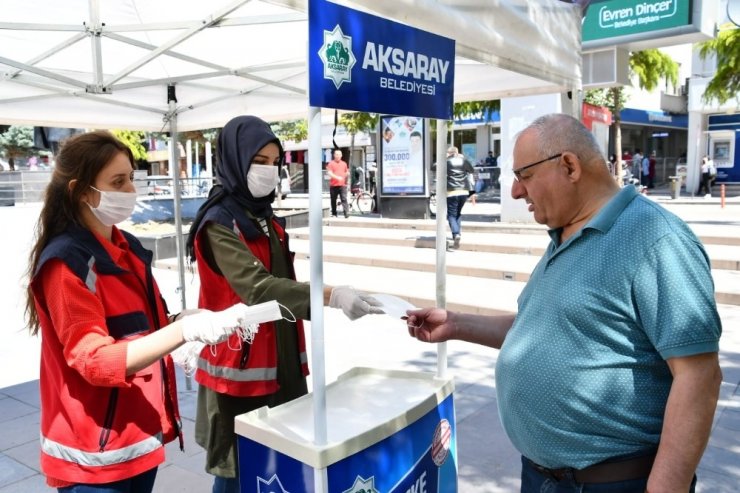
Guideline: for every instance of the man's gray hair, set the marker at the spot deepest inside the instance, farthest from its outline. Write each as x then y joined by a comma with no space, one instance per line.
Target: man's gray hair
452,150
558,132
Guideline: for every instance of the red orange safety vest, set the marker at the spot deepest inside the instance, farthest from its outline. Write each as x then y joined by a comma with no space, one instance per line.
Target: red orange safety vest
100,434
250,369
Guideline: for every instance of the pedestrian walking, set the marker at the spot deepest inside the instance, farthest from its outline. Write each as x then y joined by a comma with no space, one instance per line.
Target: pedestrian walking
338,178
460,185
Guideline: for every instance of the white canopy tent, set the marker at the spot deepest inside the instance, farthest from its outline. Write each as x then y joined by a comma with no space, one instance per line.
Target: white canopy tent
107,64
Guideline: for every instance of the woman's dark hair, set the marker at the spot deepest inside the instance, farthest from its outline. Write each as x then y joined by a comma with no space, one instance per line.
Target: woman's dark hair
80,158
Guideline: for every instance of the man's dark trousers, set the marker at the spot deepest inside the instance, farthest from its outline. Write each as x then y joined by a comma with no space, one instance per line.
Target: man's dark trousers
341,191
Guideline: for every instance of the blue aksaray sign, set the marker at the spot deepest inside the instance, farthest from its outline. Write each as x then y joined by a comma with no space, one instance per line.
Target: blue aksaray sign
362,62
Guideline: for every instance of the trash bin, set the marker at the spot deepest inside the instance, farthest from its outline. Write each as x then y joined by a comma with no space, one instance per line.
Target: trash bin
675,186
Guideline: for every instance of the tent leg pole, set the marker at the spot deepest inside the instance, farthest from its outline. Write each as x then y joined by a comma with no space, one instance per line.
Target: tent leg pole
315,223
441,281
175,173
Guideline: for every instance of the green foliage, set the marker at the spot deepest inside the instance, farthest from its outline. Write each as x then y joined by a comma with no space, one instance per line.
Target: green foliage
293,130
133,140
358,122
650,66
607,97
16,142
476,109
210,134
725,84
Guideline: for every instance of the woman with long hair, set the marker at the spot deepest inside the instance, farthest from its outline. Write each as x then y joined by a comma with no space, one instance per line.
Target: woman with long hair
107,384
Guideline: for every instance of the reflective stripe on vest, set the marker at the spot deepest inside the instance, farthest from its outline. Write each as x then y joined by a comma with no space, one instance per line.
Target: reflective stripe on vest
125,454
304,358
237,375
92,278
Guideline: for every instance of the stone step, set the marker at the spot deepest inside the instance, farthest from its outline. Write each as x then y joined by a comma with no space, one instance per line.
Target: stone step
484,296
475,241
402,269
722,256
510,267
492,226
710,233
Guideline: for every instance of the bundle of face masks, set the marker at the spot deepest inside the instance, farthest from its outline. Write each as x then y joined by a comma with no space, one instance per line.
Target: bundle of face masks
186,356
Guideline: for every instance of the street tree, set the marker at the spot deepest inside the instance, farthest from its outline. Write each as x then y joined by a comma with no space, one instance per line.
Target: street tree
649,67
134,140
725,48
204,135
293,130
480,109
475,109
16,142
358,122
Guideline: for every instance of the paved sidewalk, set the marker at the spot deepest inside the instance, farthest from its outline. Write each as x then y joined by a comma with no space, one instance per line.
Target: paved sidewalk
487,461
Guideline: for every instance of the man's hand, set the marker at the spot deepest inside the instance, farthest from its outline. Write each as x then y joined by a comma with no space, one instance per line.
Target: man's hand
438,325
431,325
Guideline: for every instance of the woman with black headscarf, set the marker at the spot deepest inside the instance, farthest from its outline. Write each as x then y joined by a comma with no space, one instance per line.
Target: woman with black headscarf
242,252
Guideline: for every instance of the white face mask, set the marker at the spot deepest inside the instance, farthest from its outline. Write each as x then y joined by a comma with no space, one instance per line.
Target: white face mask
262,179
114,207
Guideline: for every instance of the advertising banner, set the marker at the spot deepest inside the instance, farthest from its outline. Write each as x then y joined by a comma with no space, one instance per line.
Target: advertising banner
362,62
402,155
614,18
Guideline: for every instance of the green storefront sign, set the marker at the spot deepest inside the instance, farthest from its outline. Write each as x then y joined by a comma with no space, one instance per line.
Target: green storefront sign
614,18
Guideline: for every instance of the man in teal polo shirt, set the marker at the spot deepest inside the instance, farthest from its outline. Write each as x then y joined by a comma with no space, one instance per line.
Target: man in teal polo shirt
608,375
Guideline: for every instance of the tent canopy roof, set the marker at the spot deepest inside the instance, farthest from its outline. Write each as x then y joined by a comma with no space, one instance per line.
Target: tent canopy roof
100,64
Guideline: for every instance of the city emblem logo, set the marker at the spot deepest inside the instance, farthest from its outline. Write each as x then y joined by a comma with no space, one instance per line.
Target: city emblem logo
336,53
363,486
272,486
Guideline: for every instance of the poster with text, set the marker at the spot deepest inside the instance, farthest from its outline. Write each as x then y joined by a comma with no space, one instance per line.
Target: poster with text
402,153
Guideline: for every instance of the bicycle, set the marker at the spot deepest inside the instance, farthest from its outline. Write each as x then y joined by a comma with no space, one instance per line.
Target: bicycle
359,200
432,203
432,200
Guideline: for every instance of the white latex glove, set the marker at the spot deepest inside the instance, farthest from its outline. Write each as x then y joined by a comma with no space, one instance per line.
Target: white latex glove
354,304
186,356
213,327
186,312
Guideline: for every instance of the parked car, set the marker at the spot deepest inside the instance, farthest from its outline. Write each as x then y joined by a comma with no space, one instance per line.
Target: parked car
159,185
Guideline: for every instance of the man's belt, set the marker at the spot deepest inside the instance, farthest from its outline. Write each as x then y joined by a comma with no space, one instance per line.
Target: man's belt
613,470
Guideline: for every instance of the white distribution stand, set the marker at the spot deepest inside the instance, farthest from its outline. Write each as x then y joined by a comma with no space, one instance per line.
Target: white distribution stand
389,431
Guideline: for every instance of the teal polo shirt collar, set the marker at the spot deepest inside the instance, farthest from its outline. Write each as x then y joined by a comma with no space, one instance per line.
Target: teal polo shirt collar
604,219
